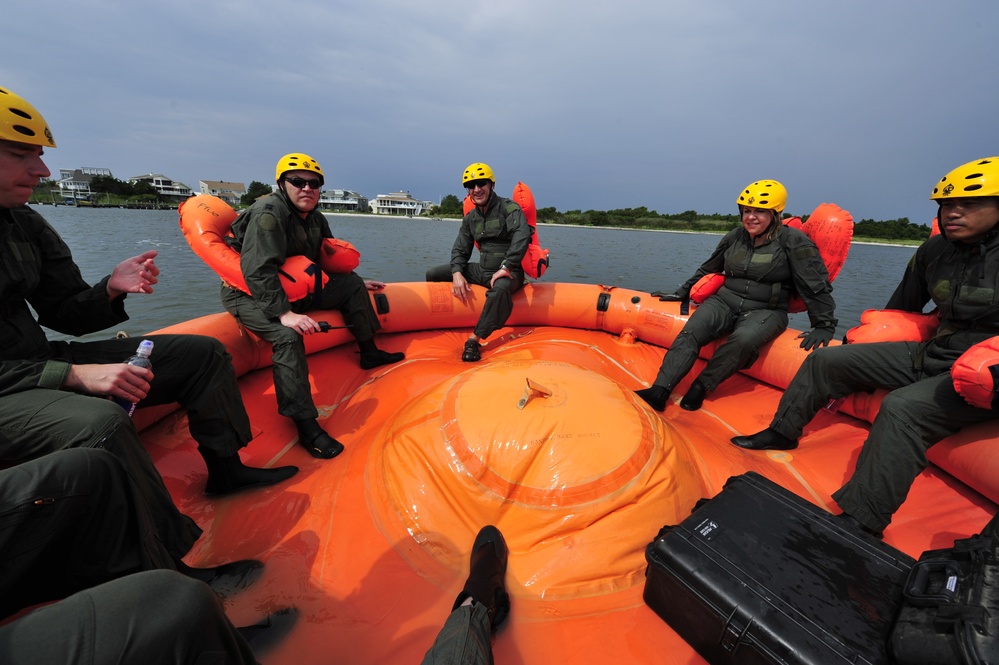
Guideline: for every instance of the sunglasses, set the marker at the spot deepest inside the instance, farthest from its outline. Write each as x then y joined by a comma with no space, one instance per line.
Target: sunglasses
477,183
301,183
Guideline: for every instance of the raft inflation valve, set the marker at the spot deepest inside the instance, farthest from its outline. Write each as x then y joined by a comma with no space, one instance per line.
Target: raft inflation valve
531,391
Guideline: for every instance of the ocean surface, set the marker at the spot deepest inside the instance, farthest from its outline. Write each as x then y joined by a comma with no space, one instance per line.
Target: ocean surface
397,249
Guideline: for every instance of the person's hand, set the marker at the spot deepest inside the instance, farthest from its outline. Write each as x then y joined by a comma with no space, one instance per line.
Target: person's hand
303,324
815,338
667,297
128,382
460,287
502,272
372,285
134,275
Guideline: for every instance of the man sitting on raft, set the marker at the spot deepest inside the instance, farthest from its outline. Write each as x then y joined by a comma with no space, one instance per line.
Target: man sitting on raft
283,224
53,395
501,232
959,271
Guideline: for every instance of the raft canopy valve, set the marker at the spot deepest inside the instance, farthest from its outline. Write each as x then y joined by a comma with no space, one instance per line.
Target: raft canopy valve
531,391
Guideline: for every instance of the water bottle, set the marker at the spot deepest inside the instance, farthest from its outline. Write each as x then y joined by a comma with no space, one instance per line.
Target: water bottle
140,359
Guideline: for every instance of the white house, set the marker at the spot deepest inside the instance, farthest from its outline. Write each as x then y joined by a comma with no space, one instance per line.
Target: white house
230,192
164,186
75,183
399,203
343,200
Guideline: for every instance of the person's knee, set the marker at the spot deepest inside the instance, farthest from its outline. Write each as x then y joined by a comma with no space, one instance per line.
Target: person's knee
897,406
502,288
103,419
191,603
820,361
286,338
439,274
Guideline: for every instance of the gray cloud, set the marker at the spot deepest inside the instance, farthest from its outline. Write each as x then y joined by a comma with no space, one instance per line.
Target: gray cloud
667,104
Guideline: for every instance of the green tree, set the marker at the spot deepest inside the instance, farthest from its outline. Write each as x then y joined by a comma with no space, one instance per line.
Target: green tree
450,205
103,184
254,192
144,188
549,214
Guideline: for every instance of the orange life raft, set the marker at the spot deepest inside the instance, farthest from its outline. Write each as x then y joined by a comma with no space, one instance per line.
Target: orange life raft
206,222
373,547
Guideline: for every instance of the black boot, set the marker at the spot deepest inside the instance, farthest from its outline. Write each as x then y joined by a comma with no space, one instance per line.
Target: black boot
377,358
227,475
269,631
655,396
472,352
227,579
695,396
315,439
768,439
485,576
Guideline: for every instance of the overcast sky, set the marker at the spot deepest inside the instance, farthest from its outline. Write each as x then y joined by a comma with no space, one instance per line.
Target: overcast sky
669,104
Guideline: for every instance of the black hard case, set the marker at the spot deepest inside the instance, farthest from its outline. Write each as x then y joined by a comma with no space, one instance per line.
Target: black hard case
950,610
758,575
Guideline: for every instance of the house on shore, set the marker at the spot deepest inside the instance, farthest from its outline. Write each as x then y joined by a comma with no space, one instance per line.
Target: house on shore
230,192
165,187
399,203
342,200
74,184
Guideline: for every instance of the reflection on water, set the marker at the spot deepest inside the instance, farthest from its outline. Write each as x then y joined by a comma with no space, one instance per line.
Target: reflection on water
401,249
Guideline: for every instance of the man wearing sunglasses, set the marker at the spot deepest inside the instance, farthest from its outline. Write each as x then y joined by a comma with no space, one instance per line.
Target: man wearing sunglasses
497,226
53,395
283,224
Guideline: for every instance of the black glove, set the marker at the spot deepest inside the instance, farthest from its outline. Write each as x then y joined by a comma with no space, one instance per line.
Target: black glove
668,297
815,338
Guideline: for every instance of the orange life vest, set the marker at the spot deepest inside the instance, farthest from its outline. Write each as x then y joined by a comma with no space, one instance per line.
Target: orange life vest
206,222
893,325
975,372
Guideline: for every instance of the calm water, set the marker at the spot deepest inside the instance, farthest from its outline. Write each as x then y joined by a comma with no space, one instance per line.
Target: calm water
400,250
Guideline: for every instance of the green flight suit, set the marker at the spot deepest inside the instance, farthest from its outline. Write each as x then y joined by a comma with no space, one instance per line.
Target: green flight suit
962,280
38,416
751,306
502,235
266,234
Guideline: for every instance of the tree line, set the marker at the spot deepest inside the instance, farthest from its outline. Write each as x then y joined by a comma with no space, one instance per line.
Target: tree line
691,220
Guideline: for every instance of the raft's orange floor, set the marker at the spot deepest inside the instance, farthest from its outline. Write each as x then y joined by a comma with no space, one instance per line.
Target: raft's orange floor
372,546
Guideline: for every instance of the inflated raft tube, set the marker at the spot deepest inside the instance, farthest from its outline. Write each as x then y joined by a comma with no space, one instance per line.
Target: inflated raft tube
537,258
206,222
829,227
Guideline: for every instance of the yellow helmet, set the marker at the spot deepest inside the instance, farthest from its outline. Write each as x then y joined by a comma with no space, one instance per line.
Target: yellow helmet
977,178
766,194
297,161
477,171
21,122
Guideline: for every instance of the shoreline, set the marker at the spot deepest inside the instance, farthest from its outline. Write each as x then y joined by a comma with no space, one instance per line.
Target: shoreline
879,243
